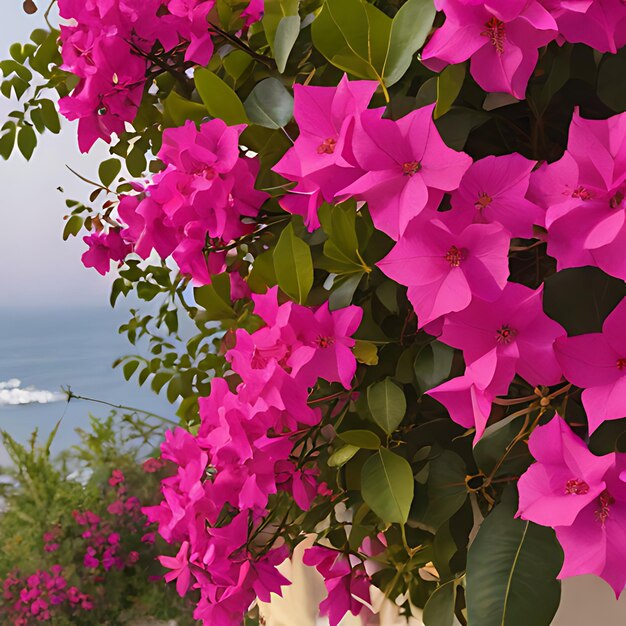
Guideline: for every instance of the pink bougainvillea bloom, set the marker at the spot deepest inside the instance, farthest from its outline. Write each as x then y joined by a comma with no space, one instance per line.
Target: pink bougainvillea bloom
322,154
500,37
511,334
600,24
583,497
407,165
104,248
565,479
597,363
347,584
468,404
494,190
585,196
253,12
179,566
445,268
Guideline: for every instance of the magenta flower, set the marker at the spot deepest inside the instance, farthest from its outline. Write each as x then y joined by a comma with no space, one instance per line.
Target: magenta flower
584,194
444,269
104,248
179,566
494,190
511,334
500,37
583,497
597,363
565,479
407,165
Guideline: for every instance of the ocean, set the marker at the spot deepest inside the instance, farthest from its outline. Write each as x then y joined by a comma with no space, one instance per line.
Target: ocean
43,350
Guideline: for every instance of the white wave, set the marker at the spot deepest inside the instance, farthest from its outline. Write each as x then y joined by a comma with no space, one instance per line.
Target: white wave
12,393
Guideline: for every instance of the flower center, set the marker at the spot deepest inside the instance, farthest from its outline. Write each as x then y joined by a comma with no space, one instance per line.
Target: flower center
325,342
576,487
616,201
494,30
454,256
411,167
582,193
606,501
327,146
506,334
102,110
484,200
621,363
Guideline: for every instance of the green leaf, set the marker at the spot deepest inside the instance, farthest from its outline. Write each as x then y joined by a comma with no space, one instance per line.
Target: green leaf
432,365
262,275
50,116
7,142
449,84
215,299
439,610
281,23
446,489
72,227
562,301
387,486
360,39
219,99
360,438
342,456
269,104
365,352
236,63
611,84
178,110
26,141
108,170
387,404
409,30
293,265
136,161
511,571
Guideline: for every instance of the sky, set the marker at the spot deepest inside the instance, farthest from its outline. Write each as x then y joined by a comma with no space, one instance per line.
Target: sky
38,268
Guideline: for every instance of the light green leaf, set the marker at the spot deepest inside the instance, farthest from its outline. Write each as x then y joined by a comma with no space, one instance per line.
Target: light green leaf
387,486
215,299
108,170
511,571
293,265
178,110
449,84
219,99
342,456
270,104
365,352
360,438
387,404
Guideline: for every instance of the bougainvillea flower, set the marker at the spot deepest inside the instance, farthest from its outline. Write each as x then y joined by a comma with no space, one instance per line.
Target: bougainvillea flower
407,165
597,363
104,248
583,497
511,334
179,566
444,269
565,478
501,38
468,405
322,153
585,196
494,190
347,584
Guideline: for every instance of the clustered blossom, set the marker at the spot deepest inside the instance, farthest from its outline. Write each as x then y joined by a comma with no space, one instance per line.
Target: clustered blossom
191,209
113,48
244,452
580,495
502,37
40,597
584,196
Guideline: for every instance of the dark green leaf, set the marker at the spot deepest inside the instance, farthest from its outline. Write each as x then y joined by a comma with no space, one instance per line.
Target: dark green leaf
72,227
269,104
215,299
26,141
611,83
387,486
50,116
432,365
511,571
449,84
387,404
108,170
439,610
293,265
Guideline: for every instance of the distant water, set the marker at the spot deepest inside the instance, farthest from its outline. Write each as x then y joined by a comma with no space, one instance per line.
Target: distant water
44,350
